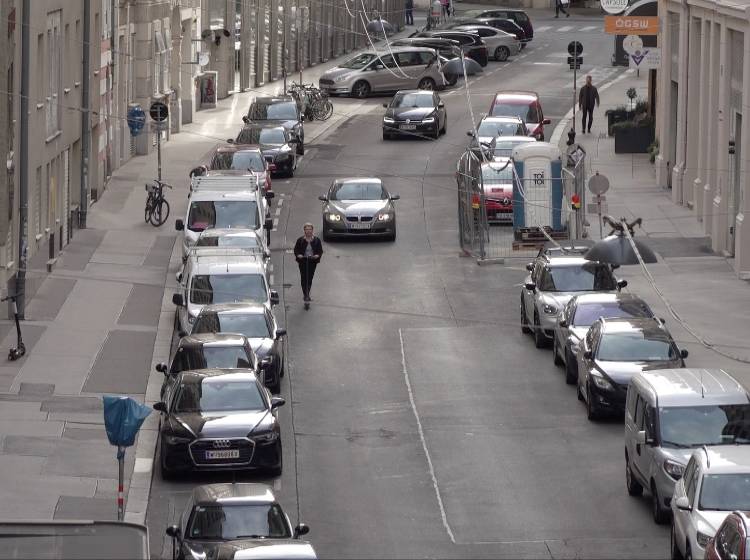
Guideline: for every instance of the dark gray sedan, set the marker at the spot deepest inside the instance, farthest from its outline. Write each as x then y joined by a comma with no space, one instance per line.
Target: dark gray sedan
277,144
415,113
358,206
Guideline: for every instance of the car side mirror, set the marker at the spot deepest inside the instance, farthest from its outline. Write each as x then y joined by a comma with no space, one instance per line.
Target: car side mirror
173,531
530,267
546,121
588,355
683,504
179,225
270,195
160,406
245,119
683,353
640,437
280,333
323,198
441,105
470,133
563,323
621,284
230,140
396,197
178,300
161,367
385,105
274,297
181,333
301,530
379,67
265,362
614,266
276,402
530,286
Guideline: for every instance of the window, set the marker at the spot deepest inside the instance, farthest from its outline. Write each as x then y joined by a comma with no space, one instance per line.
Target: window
238,521
639,406
688,477
54,74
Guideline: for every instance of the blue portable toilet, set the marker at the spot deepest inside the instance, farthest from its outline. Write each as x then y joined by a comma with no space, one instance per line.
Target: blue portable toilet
537,190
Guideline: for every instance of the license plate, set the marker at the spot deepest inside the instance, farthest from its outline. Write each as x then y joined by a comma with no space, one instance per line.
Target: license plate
408,127
223,454
360,225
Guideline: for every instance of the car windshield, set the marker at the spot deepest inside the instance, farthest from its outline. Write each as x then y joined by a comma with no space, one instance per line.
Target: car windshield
218,395
227,288
587,313
504,148
357,191
413,100
490,128
497,174
252,325
358,62
527,112
725,492
222,214
692,426
232,522
580,278
243,241
283,110
635,347
201,357
261,136
520,16
239,161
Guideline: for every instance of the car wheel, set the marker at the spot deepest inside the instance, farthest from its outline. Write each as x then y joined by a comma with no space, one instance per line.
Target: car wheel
386,135
436,134
556,352
426,83
659,513
578,392
524,321
592,413
674,552
571,368
502,54
634,487
276,387
539,339
392,237
166,473
361,89
326,236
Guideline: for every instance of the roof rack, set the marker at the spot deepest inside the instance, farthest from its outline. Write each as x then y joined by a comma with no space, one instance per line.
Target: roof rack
225,182
227,251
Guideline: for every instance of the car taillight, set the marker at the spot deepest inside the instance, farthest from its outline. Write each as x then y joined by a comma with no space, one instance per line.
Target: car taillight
268,181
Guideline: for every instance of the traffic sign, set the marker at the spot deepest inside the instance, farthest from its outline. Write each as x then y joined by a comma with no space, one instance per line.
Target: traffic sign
632,43
614,6
575,62
136,119
631,25
158,111
575,48
598,184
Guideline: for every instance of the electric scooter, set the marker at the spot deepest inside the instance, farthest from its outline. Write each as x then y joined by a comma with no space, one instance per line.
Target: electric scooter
20,349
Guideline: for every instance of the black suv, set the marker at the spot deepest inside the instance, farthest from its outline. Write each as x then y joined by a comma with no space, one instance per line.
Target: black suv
516,15
470,43
279,111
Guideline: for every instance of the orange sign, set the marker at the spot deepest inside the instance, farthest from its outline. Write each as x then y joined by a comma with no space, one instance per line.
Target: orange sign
631,25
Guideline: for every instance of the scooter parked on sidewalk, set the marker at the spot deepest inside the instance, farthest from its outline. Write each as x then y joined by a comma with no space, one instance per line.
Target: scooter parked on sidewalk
20,349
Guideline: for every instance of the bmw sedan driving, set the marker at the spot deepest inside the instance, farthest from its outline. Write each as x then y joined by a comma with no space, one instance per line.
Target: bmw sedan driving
416,114
358,206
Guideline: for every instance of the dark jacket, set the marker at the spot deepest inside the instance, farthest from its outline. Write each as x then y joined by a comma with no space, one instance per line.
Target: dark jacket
301,245
409,5
588,98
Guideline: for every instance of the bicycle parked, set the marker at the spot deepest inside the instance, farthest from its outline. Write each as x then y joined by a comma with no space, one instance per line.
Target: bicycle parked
157,207
311,101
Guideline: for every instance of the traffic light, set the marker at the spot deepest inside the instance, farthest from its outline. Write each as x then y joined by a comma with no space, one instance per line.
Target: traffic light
575,201
575,62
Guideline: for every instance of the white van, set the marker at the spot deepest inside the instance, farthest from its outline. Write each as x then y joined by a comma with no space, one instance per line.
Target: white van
670,412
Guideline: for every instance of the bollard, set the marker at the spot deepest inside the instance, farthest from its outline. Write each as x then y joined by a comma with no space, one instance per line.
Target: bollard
52,245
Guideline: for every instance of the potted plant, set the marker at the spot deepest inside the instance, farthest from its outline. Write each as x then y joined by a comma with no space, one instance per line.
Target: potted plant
653,150
634,136
616,115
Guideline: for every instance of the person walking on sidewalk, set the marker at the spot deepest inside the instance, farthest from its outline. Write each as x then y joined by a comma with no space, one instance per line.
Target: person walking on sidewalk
409,12
446,4
587,99
560,7
308,249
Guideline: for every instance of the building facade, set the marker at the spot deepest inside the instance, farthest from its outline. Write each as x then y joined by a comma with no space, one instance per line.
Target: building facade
703,118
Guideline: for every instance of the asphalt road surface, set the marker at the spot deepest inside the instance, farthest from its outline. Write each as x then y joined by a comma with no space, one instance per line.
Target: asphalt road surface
420,422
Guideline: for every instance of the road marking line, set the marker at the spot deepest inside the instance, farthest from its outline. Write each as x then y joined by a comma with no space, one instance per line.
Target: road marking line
589,28
275,224
543,28
270,280
278,211
424,442
143,465
280,203
545,63
565,28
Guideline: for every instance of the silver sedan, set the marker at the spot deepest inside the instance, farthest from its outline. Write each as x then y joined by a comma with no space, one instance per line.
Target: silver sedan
500,44
358,206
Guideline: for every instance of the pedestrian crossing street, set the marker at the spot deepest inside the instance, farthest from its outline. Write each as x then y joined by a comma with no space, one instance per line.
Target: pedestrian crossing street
568,29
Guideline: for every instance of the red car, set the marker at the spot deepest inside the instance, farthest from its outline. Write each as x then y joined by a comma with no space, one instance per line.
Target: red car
731,539
523,104
497,178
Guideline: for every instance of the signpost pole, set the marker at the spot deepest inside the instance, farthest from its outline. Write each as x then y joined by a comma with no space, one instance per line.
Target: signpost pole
121,483
158,153
599,211
575,90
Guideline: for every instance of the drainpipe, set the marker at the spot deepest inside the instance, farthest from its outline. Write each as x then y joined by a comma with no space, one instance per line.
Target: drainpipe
23,191
85,116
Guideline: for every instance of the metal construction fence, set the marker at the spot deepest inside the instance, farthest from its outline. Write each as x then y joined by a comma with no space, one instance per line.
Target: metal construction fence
485,218
289,35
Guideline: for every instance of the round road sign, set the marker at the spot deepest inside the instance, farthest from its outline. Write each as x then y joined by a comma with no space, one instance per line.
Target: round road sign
158,111
614,6
632,43
575,48
598,184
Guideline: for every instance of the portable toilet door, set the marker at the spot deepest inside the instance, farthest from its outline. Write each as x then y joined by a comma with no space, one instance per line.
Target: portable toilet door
538,189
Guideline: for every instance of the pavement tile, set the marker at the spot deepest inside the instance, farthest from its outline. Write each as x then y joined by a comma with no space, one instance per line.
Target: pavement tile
26,464
34,428
50,298
21,411
123,363
76,507
68,375
80,417
40,389
95,459
142,306
25,445
88,432
72,404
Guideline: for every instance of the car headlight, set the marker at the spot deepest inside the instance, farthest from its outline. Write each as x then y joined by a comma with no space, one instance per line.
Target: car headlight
384,217
428,120
673,469
549,309
334,217
388,120
341,78
265,437
600,382
191,319
176,440
702,539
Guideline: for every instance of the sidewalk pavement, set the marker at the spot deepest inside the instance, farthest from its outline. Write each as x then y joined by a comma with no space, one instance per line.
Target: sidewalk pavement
97,325
700,285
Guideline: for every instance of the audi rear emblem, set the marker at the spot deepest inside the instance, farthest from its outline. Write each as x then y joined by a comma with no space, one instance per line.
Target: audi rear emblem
222,443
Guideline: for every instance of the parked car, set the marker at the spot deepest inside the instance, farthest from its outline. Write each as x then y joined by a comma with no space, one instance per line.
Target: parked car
237,238
570,247
579,314
259,325
500,44
524,105
507,25
612,351
447,49
504,144
278,146
357,206
668,414
497,180
224,520
514,14
215,419
552,281
471,43
378,72
231,158
282,111
415,113
483,141
716,482
732,539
